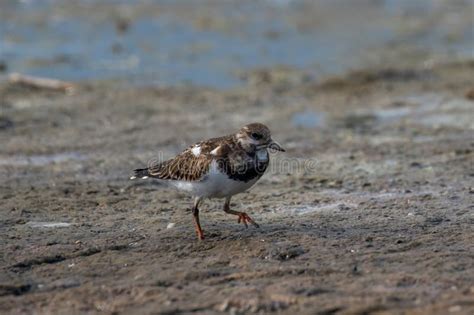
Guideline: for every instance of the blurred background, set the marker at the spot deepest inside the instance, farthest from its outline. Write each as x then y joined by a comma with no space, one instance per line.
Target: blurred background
214,43
369,210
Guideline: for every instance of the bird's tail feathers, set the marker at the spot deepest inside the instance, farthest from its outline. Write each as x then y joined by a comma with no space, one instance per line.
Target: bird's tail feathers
142,173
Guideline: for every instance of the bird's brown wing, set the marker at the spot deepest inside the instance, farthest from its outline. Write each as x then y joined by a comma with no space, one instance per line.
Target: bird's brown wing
187,165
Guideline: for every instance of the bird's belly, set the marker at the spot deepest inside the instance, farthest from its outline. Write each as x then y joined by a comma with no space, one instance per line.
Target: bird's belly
215,185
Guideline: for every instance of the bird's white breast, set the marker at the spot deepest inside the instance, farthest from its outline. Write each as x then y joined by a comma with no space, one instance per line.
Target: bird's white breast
214,185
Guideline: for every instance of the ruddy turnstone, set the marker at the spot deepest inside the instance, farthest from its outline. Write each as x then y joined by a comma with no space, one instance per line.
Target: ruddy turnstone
218,168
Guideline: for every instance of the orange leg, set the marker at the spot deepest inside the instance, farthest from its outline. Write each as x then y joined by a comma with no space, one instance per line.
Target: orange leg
243,217
195,210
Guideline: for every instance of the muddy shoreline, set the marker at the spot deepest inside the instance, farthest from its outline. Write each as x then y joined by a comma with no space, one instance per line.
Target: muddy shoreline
381,221
370,210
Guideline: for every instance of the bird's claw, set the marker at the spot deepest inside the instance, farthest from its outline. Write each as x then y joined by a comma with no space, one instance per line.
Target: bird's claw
244,218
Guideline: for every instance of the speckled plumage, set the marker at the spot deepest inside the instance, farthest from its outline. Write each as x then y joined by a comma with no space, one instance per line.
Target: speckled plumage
218,167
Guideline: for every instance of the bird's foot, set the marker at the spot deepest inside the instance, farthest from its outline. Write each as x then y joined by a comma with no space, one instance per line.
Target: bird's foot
244,218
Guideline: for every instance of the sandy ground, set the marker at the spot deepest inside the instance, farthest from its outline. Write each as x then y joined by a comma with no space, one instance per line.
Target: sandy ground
373,215
370,210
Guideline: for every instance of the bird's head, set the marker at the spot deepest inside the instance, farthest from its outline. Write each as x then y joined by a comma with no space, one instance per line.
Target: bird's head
256,136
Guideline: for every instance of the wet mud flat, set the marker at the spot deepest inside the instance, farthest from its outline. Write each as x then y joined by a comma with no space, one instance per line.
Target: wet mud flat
373,215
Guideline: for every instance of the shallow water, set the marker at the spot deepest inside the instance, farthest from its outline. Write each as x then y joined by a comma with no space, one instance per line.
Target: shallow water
166,43
308,119
434,110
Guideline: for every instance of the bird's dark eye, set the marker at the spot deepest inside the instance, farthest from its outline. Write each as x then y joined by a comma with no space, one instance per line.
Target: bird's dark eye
256,136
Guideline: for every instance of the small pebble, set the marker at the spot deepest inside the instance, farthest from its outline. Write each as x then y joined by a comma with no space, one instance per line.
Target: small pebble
170,225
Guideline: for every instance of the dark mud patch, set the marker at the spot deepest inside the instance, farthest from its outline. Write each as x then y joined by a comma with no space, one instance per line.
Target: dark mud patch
12,289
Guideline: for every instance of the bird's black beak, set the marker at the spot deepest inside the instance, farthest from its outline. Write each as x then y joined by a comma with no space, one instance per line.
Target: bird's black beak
276,146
